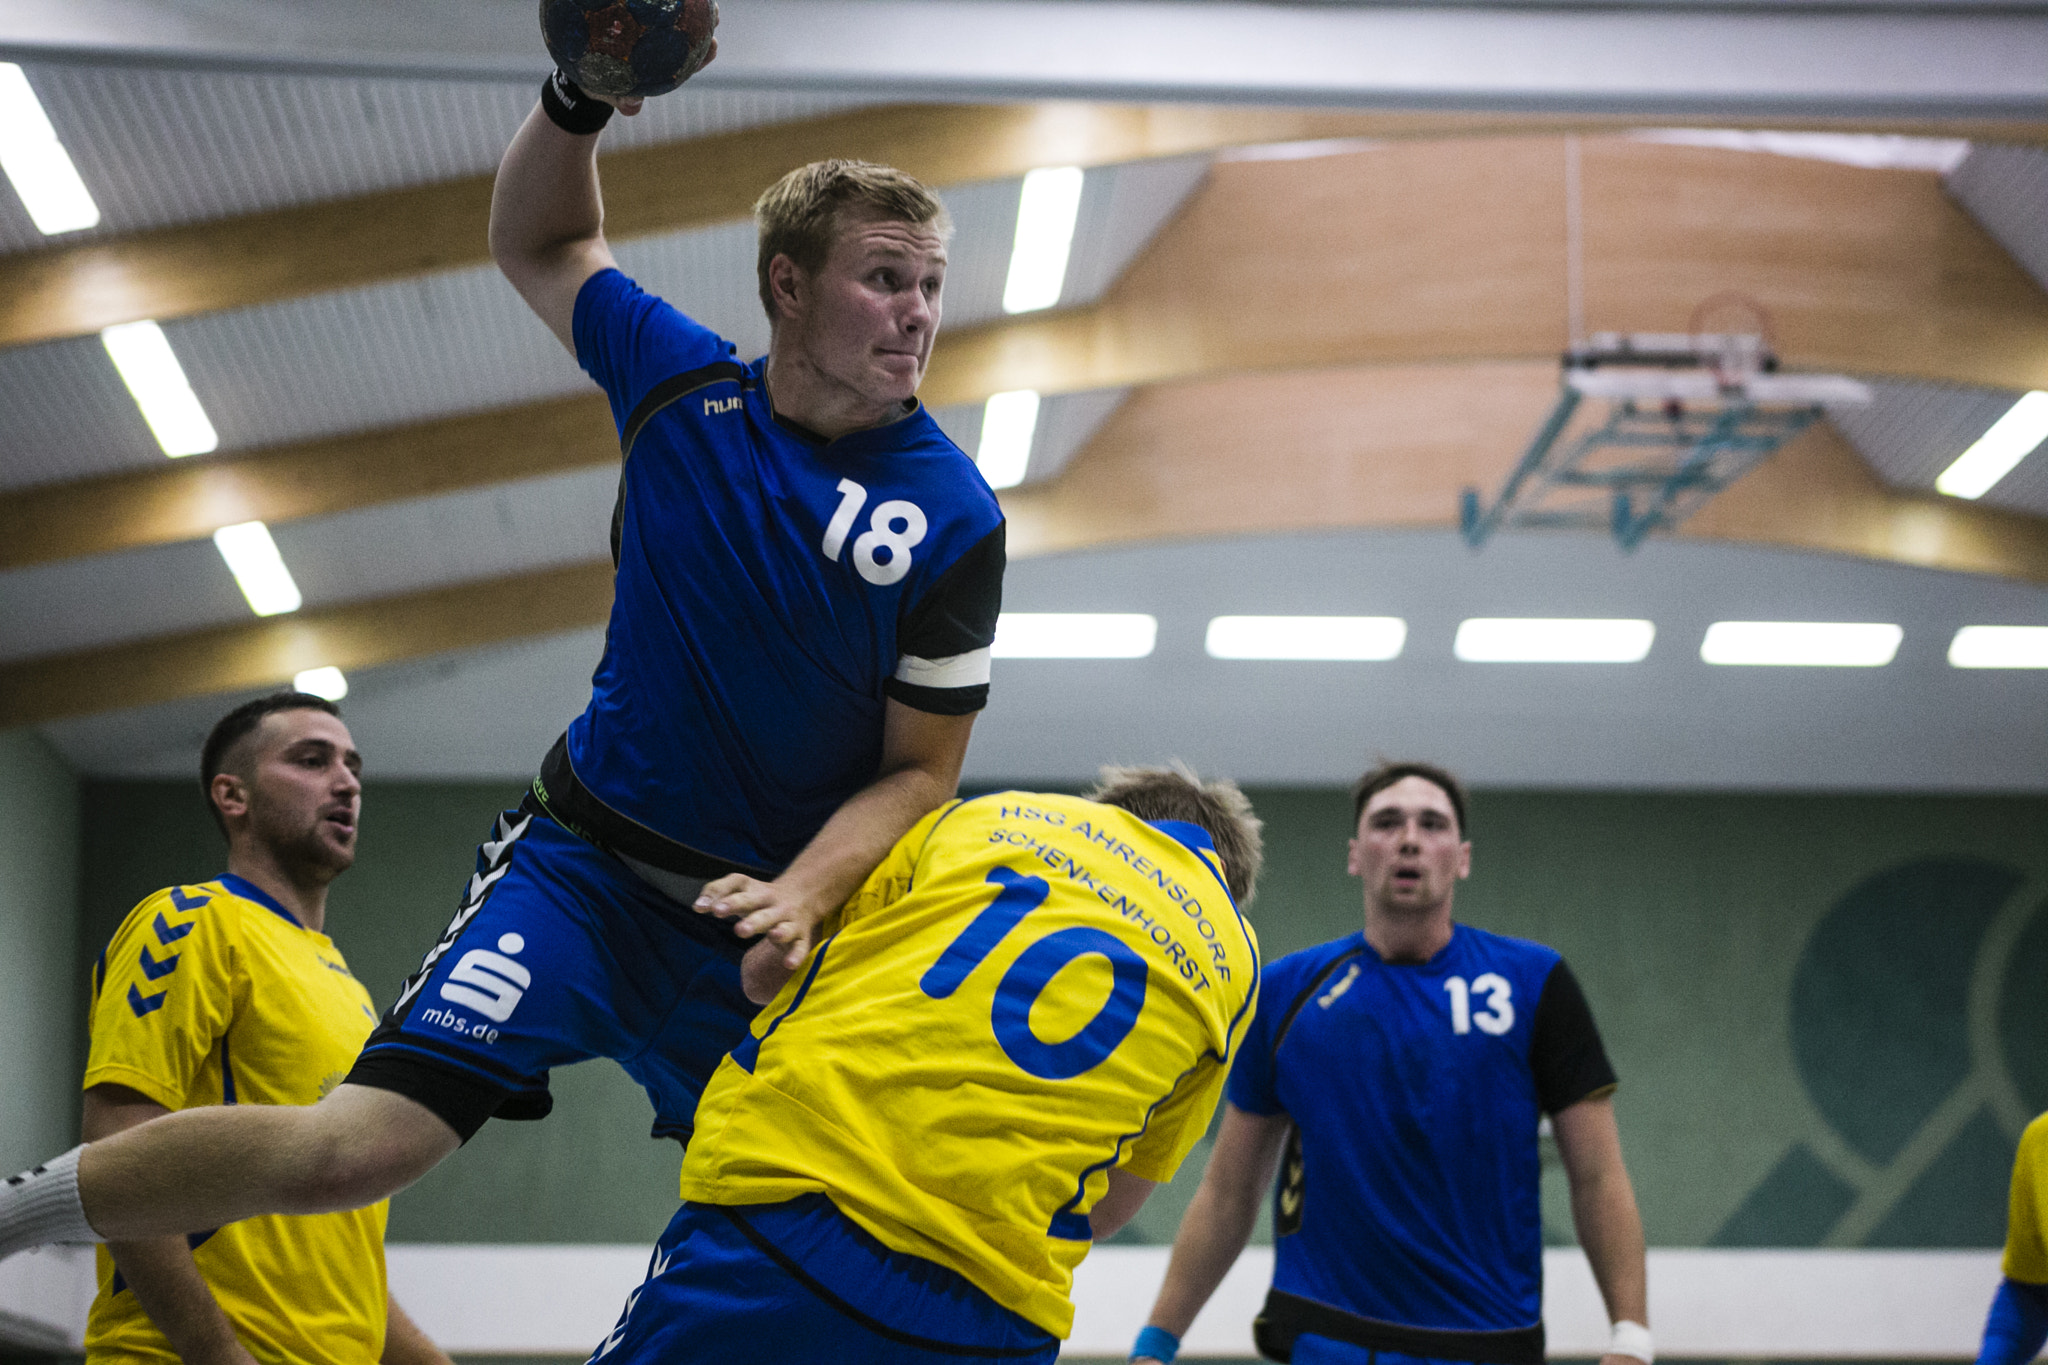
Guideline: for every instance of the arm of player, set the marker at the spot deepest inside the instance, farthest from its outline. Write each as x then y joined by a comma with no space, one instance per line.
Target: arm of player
1120,1203
921,758
1219,1221
405,1343
1604,1210
160,1270
547,218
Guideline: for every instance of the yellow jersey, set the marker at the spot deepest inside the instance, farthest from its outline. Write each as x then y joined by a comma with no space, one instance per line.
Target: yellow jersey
1029,991
215,994
2026,1228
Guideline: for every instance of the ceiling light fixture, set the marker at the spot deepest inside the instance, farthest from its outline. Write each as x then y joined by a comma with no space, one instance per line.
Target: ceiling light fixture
36,163
1074,635
1551,640
2011,439
321,682
1046,212
1801,644
1362,638
150,369
1999,647
258,568
1008,422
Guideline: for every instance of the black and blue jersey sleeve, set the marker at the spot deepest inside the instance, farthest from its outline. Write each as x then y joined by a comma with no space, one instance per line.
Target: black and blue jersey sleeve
1565,1052
944,639
628,340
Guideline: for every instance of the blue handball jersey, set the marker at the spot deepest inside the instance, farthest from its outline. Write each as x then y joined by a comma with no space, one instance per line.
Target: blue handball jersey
1415,1092
772,589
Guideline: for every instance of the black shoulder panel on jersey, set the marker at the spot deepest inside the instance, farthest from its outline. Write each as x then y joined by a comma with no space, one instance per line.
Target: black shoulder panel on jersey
957,614
677,387
660,396
1565,1051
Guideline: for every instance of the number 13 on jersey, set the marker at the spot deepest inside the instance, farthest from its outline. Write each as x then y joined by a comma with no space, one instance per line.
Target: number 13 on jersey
881,554
1498,1016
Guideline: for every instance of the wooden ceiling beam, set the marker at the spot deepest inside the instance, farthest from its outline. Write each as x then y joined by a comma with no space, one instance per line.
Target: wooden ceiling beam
268,652
193,268
174,272
1454,251
190,499
1392,447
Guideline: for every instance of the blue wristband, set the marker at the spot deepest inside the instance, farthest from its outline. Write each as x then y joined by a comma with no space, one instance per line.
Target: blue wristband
1157,1343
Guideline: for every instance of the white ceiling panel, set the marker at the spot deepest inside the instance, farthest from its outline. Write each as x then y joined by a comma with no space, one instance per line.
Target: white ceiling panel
80,603
64,414
157,146
458,538
379,551
1670,722
1066,423
1839,57
1911,431
2006,188
487,713
1122,209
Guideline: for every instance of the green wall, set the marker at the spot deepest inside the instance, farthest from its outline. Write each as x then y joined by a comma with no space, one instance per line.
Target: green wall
40,1004
1815,1003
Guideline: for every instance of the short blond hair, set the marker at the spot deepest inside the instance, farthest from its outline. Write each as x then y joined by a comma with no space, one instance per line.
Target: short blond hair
1178,793
797,215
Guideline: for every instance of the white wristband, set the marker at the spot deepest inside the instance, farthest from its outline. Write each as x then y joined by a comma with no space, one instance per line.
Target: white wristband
1632,1339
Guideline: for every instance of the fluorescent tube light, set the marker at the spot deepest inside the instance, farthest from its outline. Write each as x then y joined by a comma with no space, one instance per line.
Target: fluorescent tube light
258,568
1307,637
1999,647
2011,439
36,163
150,369
1074,635
1801,644
321,682
1008,423
1539,640
1046,211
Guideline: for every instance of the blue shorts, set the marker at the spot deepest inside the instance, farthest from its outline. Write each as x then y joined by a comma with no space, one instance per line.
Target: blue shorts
558,954
769,1284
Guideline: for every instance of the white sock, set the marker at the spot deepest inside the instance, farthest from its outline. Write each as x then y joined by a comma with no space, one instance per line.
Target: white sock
41,1205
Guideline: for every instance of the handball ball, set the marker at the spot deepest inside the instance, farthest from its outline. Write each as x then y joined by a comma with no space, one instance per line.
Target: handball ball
629,47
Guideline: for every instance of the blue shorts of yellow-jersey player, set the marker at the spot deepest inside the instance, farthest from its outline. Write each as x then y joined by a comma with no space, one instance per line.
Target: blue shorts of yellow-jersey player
767,1284
559,954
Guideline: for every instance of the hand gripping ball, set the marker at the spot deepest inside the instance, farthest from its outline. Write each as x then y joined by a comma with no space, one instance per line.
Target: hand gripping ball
629,47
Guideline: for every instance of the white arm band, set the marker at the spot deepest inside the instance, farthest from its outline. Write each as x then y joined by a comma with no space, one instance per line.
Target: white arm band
1632,1339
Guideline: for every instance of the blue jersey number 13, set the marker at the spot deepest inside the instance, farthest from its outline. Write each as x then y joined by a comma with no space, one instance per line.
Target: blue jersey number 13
1032,972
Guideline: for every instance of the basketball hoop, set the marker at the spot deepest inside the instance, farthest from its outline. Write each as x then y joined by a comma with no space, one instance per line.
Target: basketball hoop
1685,415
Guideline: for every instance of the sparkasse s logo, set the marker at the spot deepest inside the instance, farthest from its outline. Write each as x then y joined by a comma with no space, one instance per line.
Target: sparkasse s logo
490,983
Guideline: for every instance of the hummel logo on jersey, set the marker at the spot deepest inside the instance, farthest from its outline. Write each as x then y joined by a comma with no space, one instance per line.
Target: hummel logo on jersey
490,983
714,406
1331,996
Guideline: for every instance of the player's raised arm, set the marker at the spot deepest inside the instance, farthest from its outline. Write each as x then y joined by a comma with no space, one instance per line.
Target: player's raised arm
547,213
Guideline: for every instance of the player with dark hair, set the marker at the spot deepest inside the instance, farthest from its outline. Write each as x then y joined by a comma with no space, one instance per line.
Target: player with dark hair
1018,1025
808,579
229,992
1397,1078
2017,1326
